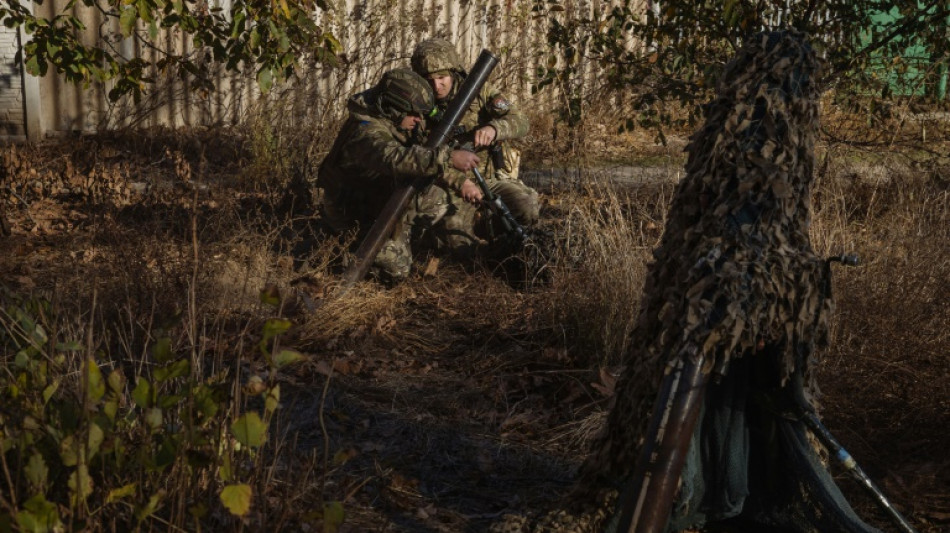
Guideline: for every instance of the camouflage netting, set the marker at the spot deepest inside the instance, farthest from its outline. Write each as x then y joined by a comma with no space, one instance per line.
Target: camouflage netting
737,287
735,269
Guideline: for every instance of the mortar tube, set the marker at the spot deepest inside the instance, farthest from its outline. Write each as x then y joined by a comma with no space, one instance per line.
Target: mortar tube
648,507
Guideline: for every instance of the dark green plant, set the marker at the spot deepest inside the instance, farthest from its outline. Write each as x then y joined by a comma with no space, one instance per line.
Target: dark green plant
673,52
268,36
79,442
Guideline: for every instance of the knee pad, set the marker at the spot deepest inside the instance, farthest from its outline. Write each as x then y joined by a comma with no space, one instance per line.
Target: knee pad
520,199
393,261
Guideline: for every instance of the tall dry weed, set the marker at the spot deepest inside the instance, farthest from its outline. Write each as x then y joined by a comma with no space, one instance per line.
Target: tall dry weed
891,332
291,129
605,242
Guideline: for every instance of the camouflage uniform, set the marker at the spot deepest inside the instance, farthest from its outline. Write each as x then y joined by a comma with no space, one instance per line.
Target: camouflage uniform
491,108
369,157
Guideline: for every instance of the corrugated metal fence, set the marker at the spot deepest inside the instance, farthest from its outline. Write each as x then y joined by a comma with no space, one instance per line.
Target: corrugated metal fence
376,35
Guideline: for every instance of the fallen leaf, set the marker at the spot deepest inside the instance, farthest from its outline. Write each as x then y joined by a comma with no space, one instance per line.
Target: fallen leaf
431,267
607,385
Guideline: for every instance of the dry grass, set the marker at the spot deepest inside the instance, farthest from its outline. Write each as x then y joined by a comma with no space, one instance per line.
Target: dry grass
451,399
884,379
605,238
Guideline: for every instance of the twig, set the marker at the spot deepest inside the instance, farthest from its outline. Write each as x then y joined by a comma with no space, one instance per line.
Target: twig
6,472
326,435
26,205
4,227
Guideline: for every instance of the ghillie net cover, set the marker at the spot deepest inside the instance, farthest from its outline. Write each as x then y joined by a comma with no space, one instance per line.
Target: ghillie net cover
737,288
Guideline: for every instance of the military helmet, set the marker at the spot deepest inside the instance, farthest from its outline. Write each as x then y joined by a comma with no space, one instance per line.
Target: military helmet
402,92
436,55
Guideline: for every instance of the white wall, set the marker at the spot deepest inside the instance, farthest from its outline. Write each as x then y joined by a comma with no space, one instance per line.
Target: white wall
12,119
376,35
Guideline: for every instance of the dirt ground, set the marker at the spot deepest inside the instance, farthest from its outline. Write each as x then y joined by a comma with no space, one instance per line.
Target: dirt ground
453,402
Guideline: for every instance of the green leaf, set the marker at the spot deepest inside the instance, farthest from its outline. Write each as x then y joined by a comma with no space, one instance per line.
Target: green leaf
237,498
153,417
198,510
237,24
127,20
39,335
272,400
50,390
265,79
250,430
206,400
69,451
332,516
116,381
162,350
331,43
270,295
121,492
177,369
145,10
36,472
70,346
148,509
38,515
111,407
95,386
80,484
286,357
94,441
224,471
167,453
272,328
276,326
144,394
169,401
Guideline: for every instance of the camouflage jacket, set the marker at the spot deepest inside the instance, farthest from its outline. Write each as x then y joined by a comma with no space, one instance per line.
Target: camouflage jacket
369,157
489,108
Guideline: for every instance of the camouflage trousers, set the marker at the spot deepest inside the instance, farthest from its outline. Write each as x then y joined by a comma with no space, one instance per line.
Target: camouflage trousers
434,218
521,201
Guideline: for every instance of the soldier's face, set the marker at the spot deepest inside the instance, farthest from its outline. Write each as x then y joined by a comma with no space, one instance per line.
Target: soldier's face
410,122
441,85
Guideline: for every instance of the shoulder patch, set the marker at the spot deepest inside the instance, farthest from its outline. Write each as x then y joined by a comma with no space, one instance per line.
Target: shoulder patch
500,105
364,123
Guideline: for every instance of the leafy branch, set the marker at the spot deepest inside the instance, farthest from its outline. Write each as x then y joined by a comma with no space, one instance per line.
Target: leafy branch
269,36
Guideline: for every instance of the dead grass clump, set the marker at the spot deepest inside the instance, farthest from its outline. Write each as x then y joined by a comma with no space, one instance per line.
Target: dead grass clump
366,307
603,135
892,329
604,240
906,122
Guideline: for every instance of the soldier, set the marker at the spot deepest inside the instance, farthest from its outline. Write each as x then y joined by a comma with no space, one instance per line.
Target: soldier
377,146
490,122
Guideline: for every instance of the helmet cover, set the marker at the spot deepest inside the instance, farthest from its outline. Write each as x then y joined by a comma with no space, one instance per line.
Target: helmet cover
402,92
436,55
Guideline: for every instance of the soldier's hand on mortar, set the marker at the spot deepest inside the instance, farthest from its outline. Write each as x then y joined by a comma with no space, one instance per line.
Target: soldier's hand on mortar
470,192
485,136
463,160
